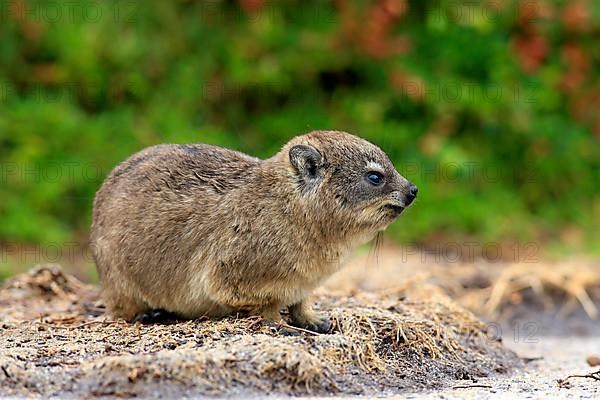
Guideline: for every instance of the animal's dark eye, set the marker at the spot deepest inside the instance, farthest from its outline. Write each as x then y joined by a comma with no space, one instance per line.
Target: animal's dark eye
374,177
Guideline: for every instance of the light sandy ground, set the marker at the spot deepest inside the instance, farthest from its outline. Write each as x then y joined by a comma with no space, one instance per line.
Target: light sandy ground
537,380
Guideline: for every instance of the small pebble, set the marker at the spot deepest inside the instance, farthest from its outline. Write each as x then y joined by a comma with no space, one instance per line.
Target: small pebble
593,361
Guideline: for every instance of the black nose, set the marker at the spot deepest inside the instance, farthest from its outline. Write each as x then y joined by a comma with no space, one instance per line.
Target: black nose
413,190
412,194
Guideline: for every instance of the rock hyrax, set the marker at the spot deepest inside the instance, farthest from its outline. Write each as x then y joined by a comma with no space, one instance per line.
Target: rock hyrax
198,230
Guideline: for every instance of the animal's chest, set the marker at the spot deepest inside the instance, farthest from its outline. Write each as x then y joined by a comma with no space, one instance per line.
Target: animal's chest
303,278
263,271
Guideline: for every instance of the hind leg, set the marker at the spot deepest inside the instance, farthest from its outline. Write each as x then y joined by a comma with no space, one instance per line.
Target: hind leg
270,313
122,306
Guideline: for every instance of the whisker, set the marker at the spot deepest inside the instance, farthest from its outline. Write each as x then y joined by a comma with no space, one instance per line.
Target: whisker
376,244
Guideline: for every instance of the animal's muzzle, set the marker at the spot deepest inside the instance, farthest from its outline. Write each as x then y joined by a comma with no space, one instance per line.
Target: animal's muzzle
411,195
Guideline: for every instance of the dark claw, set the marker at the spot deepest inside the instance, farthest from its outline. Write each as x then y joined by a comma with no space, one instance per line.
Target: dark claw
323,326
280,329
159,316
285,331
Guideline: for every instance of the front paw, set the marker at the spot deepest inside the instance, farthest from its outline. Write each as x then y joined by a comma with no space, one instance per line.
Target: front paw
280,328
318,324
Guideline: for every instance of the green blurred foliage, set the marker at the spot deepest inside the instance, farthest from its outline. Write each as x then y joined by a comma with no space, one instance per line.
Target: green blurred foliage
454,94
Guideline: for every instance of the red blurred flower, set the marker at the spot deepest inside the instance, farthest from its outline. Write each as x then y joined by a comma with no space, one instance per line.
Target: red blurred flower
531,50
577,16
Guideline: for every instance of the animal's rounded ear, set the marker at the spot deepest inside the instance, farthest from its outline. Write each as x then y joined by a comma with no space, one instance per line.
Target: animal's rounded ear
306,160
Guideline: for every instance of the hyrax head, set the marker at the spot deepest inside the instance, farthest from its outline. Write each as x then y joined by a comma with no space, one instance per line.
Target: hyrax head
352,181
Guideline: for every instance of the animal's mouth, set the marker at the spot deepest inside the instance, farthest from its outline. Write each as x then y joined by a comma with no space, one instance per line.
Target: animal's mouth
394,209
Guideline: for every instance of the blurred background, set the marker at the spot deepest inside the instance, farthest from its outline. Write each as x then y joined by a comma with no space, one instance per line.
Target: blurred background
490,107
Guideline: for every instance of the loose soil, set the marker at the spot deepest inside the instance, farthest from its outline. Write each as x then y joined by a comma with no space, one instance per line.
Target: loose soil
56,341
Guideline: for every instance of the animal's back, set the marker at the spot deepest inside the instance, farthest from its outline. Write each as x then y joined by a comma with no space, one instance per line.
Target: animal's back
154,209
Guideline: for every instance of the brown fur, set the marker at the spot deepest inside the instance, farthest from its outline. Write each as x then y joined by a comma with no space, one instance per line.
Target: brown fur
202,230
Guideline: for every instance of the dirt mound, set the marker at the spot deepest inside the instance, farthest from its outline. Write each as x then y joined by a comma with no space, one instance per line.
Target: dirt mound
54,342
45,291
559,298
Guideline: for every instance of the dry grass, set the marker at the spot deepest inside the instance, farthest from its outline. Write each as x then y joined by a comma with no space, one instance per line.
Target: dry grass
561,288
55,341
570,280
488,289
